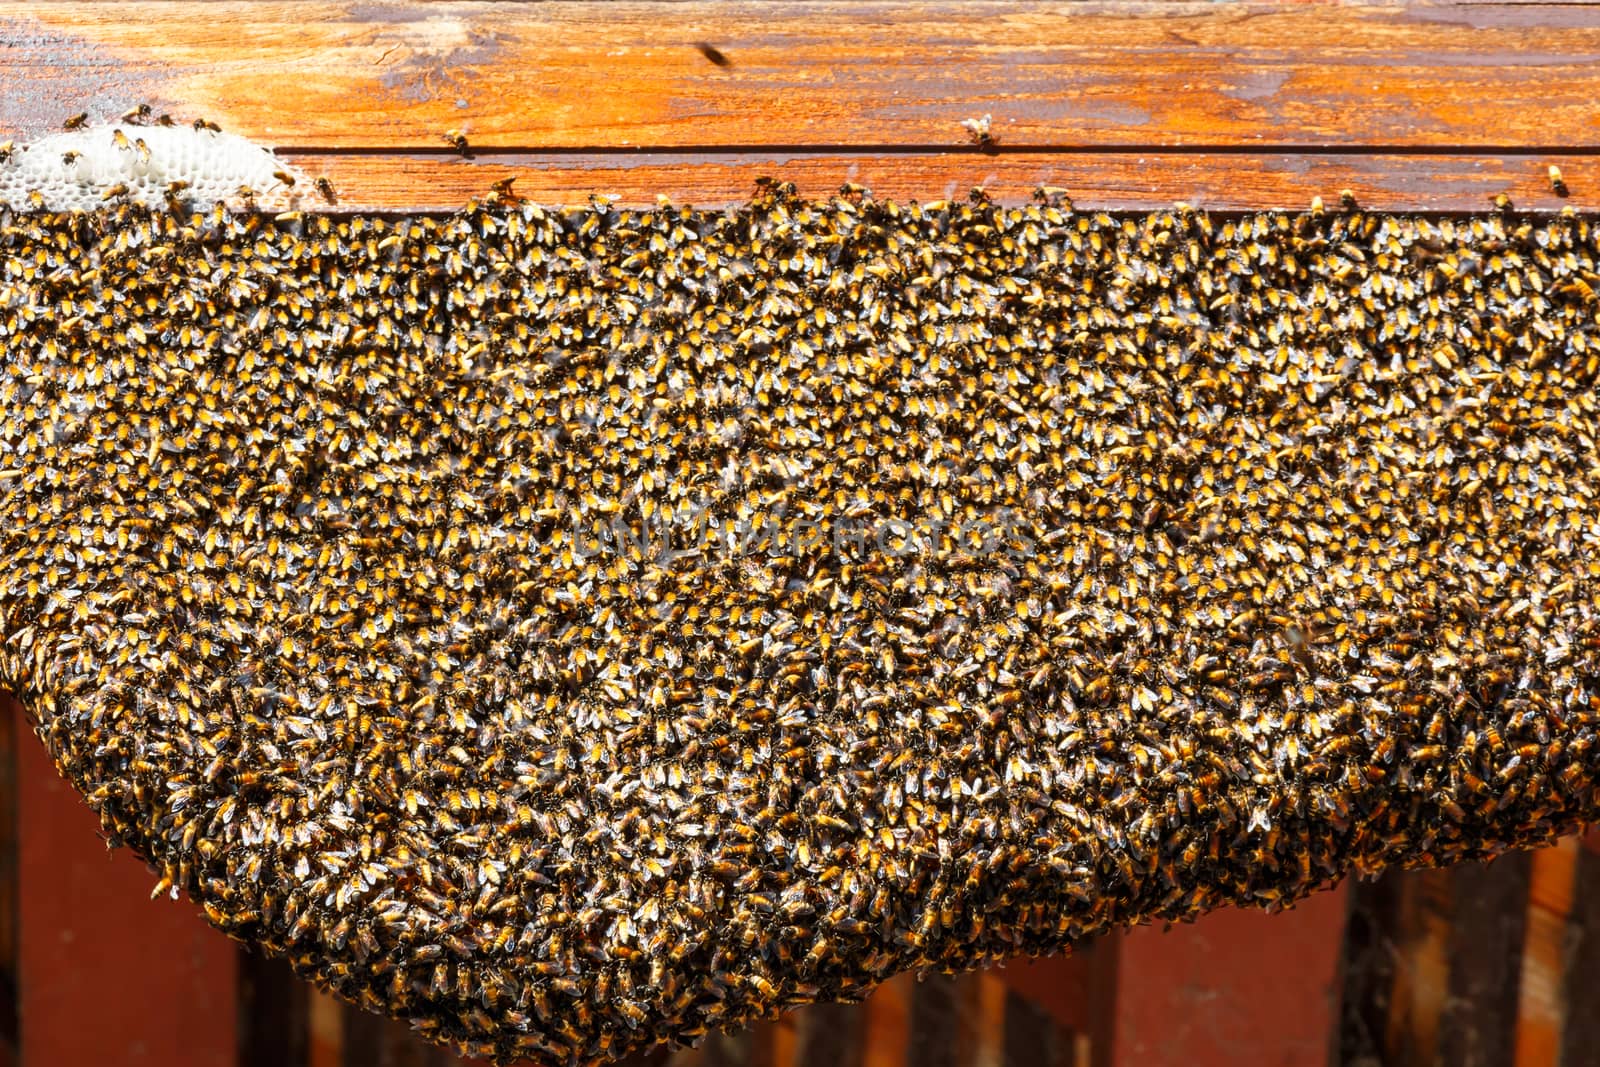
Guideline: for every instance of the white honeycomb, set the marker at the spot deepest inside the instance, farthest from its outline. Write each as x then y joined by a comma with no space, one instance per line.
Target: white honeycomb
76,171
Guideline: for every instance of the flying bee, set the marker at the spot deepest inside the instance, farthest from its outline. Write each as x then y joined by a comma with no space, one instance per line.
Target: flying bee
284,178
713,54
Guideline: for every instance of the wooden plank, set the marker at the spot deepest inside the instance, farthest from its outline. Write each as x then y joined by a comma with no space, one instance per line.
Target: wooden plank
1060,986
107,975
326,1028
1422,972
1235,986
1369,961
937,1022
888,1023
274,1014
1581,984
1216,181
1541,1011
830,1036
1033,1038
989,1048
843,72
1478,1020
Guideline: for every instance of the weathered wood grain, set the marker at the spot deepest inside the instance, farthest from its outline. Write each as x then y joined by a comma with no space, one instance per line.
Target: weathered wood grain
845,72
1215,181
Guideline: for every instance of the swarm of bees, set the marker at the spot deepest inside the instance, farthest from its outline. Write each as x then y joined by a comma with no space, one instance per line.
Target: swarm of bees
494,614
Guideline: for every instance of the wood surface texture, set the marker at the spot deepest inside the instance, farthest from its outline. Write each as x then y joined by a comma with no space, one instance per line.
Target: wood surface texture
1227,105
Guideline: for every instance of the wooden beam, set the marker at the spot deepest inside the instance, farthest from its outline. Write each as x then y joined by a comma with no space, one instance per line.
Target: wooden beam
1214,181
1126,104
1541,1010
1479,1020
1581,992
843,72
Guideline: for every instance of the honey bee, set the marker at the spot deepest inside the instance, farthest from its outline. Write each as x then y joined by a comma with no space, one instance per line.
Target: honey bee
137,115
1558,184
501,190
980,131
712,54
458,140
76,122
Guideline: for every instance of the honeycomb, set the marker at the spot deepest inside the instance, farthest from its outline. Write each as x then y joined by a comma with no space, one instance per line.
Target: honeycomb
78,170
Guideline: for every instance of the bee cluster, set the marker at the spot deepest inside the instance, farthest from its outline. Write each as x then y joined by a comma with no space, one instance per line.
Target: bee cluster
1300,579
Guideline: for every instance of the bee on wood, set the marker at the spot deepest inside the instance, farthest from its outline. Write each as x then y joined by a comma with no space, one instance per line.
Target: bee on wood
458,140
980,132
1557,183
76,122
